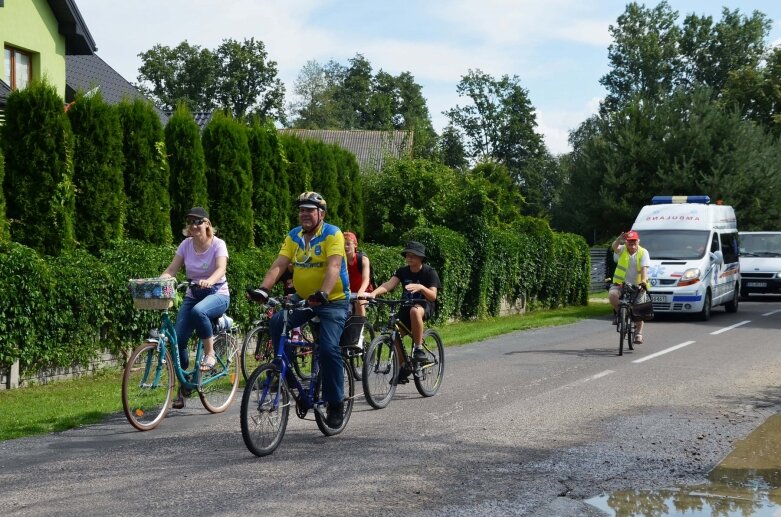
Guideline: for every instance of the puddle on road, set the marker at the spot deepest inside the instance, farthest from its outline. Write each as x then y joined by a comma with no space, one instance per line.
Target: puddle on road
747,482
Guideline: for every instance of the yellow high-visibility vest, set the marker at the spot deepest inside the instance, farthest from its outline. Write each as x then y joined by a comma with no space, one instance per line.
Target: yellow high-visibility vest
623,265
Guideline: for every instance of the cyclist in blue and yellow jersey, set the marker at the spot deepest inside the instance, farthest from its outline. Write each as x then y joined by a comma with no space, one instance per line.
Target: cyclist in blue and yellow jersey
632,263
316,251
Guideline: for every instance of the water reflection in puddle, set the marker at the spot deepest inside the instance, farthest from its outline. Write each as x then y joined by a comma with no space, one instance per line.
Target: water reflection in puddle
746,482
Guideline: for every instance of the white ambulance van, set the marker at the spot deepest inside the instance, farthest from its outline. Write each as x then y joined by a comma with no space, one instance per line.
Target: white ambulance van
694,253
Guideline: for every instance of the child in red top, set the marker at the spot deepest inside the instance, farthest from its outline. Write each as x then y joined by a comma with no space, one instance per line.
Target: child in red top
358,270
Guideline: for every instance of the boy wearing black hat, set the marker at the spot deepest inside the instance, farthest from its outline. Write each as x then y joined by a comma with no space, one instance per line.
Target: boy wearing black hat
421,283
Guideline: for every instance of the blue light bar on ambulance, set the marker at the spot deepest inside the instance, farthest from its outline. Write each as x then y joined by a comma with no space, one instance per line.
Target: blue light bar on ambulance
666,200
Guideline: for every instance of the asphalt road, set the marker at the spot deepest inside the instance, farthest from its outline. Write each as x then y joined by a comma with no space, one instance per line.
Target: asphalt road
530,423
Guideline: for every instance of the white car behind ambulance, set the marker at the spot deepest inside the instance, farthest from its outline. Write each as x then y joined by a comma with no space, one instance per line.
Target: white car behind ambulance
694,253
760,262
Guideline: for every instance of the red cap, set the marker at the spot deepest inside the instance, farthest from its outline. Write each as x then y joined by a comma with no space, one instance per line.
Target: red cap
631,235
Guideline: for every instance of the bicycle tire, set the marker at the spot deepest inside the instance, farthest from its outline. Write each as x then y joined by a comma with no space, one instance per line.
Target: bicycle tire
256,349
220,384
147,386
265,407
630,333
622,315
380,368
349,398
428,376
357,354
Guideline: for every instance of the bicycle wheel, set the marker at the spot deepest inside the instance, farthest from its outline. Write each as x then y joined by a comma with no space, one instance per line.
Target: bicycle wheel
349,397
428,374
256,349
147,386
630,332
220,384
622,328
357,354
379,372
303,355
265,407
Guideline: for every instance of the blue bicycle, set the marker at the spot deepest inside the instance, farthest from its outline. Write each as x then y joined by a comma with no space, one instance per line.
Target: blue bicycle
148,379
274,386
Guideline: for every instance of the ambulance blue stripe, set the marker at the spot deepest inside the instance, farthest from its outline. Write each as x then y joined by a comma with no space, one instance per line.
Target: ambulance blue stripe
680,298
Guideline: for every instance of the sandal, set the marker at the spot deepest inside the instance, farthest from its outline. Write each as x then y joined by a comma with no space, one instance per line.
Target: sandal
208,362
639,339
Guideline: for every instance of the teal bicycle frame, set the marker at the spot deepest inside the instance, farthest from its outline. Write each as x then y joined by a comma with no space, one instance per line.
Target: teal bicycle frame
148,379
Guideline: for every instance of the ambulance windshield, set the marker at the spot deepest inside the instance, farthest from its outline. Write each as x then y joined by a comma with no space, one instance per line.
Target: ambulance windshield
675,244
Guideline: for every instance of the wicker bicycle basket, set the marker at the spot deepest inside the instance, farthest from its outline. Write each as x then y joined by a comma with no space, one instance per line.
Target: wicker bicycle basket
152,294
642,309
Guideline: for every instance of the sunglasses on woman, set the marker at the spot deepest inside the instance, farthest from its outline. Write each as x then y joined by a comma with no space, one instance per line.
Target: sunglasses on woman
195,222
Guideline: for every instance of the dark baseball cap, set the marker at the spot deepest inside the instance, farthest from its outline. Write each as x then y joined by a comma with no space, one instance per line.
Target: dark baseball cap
199,212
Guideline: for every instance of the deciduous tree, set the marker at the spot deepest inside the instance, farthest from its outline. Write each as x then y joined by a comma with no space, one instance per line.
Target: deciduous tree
236,75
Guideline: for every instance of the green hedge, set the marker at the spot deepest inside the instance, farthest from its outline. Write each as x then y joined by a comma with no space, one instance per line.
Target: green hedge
4,235
57,311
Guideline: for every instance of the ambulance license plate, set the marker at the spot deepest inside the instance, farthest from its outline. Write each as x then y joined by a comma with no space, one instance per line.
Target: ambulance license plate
756,284
658,298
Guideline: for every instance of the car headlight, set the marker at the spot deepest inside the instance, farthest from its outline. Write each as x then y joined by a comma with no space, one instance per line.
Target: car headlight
689,277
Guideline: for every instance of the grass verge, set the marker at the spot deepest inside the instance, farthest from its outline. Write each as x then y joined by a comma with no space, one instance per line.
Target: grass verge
69,404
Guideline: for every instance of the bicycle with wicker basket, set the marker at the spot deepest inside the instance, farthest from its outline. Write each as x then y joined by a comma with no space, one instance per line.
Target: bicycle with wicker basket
633,306
148,379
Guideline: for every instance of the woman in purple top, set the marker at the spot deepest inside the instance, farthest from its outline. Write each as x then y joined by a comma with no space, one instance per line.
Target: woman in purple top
205,258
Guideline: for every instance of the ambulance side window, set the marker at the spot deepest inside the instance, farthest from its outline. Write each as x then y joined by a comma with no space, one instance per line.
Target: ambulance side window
729,247
714,244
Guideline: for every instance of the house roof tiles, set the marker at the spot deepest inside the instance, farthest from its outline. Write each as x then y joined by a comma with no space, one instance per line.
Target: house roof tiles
85,73
371,148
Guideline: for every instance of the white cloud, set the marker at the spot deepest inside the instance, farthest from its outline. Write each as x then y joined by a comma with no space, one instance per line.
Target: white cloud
555,125
590,32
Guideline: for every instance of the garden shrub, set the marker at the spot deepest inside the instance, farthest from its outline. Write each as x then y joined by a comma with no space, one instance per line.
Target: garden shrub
38,187
187,166
271,199
97,172
4,236
229,180
146,173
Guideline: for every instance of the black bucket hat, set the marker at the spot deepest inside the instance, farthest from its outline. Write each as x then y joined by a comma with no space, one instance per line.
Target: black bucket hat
415,248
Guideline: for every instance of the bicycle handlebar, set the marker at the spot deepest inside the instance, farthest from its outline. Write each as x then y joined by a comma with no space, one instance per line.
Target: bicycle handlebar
380,301
287,304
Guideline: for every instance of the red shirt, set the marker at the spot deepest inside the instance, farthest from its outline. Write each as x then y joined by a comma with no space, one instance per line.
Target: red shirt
356,278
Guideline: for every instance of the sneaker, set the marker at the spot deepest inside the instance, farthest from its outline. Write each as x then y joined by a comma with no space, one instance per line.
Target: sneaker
419,354
403,377
334,415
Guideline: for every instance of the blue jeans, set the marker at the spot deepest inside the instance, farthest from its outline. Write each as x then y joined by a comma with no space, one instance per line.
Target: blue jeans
195,315
332,317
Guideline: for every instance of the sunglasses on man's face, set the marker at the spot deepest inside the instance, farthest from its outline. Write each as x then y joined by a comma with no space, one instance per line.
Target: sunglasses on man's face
195,222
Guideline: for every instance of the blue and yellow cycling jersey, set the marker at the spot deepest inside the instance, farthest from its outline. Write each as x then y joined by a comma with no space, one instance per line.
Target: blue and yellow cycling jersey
309,261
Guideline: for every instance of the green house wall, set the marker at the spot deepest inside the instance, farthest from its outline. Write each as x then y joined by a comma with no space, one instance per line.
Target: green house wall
30,25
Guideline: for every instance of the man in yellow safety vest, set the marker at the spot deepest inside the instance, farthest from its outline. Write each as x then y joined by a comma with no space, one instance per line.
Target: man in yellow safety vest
632,263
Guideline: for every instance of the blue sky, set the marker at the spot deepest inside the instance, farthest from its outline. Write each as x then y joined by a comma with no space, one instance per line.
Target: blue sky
558,48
